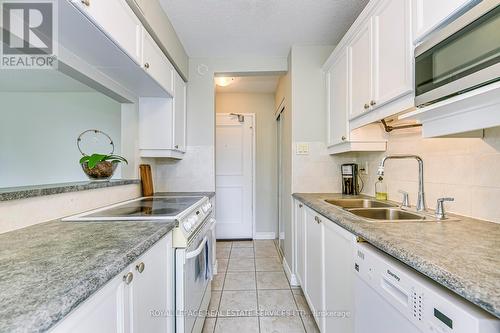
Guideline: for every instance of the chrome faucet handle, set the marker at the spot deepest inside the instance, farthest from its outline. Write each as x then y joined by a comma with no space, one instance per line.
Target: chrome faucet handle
406,199
440,213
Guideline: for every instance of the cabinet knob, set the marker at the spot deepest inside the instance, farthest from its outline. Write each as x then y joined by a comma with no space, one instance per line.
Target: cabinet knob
146,65
343,138
86,2
317,219
372,103
176,146
140,267
127,278
300,206
366,106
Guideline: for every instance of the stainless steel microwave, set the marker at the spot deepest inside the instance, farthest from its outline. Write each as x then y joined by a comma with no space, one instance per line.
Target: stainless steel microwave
461,57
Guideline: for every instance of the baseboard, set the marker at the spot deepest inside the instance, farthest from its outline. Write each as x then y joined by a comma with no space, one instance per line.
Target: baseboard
291,277
264,235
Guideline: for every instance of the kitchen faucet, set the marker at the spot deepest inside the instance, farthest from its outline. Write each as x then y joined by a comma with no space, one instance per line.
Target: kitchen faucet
421,197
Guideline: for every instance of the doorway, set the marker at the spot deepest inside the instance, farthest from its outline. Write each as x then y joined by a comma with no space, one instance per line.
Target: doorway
280,235
234,173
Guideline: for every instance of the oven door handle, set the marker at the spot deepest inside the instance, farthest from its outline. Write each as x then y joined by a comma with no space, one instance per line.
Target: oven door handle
196,252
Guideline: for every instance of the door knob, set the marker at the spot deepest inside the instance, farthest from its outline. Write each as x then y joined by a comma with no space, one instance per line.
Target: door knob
127,278
140,267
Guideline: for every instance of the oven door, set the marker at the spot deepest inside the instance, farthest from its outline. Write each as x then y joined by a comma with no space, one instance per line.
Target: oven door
192,283
462,56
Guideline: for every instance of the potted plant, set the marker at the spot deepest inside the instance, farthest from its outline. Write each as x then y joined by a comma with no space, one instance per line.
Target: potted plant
99,166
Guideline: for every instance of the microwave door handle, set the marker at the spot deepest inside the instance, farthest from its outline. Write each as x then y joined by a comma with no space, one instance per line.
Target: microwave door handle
196,252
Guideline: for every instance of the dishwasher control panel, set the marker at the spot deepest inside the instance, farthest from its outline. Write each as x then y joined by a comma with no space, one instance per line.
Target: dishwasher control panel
429,306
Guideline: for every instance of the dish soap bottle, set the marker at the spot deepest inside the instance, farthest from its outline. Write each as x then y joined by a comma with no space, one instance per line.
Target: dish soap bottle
381,189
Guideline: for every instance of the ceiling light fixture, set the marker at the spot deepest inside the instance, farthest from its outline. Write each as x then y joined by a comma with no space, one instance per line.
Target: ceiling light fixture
223,81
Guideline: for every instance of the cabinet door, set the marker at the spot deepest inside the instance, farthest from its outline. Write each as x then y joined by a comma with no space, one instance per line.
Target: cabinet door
151,289
393,60
156,64
301,243
155,123
429,14
106,311
179,113
314,264
117,20
337,79
360,71
339,268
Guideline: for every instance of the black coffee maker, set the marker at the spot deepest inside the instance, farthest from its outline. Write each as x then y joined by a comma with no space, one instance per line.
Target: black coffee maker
350,179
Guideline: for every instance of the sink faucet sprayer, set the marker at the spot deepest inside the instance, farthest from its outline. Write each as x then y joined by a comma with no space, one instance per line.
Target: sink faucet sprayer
421,197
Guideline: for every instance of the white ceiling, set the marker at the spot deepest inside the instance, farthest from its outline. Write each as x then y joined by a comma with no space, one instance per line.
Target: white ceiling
251,84
228,28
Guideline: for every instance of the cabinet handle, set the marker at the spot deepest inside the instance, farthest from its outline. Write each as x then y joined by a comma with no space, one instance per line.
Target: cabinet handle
140,267
127,278
367,106
146,65
343,138
372,103
86,2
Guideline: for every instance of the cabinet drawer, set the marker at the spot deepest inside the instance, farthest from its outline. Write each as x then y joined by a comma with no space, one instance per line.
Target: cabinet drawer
156,63
117,20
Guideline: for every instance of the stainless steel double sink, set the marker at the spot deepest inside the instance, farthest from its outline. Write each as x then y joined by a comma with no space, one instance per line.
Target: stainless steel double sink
378,211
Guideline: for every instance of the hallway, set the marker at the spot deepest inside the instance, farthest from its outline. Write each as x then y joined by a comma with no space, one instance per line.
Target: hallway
251,292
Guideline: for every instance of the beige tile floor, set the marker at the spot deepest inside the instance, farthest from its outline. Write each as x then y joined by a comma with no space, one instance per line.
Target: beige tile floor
251,293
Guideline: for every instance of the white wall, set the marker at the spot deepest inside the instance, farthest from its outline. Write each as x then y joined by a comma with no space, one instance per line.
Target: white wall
196,172
38,133
466,169
266,152
304,92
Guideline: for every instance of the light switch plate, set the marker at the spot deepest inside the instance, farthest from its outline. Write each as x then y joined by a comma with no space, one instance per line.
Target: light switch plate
302,149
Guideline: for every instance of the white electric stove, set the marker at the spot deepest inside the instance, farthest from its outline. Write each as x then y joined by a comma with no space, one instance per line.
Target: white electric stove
193,240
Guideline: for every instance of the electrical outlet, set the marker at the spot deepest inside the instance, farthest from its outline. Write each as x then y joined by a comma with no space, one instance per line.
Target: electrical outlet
302,149
364,169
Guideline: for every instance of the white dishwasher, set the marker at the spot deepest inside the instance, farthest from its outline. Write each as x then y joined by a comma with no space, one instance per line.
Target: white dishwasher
390,297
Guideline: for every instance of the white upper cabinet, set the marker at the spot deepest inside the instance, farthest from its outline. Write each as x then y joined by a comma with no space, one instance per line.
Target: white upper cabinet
360,71
392,52
118,21
430,14
156,64
378,53
337,102
179,113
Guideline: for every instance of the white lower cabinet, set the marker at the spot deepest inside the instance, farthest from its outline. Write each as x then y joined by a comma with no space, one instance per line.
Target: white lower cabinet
139,299
327,282
339,277
300,218
314,291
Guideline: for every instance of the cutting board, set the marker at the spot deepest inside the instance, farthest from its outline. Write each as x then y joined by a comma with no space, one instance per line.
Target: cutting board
146,180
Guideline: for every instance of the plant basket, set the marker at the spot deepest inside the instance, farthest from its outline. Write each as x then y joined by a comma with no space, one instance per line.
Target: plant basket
103,171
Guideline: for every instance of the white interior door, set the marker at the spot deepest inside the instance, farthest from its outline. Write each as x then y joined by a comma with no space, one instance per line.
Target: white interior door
234,176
